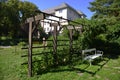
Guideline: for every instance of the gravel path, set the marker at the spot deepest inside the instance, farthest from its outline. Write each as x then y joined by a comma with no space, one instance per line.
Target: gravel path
5,46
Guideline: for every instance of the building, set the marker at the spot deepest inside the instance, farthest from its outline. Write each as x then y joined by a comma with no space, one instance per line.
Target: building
63,10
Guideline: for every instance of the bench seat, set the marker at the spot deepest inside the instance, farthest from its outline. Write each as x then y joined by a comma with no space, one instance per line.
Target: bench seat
91,57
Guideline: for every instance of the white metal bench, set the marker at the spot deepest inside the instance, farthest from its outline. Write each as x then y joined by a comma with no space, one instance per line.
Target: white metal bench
90,58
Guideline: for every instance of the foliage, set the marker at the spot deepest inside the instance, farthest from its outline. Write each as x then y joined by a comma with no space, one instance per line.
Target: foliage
92,30
108,12
66,31
105,8
62,46
12,14
26,10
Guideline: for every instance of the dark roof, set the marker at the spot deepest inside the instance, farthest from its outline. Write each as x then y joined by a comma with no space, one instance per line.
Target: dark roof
61,6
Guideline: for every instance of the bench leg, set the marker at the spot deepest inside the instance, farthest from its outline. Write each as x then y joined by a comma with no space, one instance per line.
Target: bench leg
90,62
101,57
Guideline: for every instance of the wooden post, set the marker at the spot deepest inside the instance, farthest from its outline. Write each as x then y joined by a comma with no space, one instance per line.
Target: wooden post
30,51
55,46
71,42
30,21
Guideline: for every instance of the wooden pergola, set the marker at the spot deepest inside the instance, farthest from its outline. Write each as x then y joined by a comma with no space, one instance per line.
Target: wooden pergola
56,23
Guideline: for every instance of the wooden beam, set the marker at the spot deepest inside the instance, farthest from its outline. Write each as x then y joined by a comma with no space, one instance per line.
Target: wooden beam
46,14
70,27
35,25
37,17
74,27
38,47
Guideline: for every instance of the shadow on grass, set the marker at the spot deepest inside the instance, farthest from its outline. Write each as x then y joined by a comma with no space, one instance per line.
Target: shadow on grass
101,66
111,49
52,69
8,42
93,73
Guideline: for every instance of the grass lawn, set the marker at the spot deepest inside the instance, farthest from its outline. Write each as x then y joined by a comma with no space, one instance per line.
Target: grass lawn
11,69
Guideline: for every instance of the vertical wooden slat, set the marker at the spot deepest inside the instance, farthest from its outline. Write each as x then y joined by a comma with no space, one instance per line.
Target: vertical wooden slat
55,61
71,42
30,51
44,47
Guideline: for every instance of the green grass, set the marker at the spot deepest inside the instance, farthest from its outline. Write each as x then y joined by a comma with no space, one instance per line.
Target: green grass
11,68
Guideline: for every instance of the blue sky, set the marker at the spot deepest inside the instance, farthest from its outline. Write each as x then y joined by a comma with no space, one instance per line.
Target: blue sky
81,5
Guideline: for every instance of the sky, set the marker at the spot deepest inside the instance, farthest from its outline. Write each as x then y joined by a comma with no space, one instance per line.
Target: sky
81,5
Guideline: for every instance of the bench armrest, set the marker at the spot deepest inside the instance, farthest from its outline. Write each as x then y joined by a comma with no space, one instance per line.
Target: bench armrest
86,55
99,52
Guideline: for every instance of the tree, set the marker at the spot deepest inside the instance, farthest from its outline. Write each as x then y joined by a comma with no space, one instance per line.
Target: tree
108,12
92,31
27,10
12,14
105,8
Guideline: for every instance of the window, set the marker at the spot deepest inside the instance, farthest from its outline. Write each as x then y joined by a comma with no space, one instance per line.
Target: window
60,11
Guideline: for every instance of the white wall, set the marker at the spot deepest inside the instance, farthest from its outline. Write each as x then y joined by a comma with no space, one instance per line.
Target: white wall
66,13
61,13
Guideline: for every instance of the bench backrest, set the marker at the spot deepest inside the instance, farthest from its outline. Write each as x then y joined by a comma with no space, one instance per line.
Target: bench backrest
88,50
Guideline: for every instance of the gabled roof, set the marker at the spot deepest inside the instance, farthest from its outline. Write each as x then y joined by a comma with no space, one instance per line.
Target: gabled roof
62,6
52,10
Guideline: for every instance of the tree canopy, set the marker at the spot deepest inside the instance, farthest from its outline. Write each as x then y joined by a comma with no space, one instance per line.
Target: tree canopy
12,14
108,11
105,8
104,27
